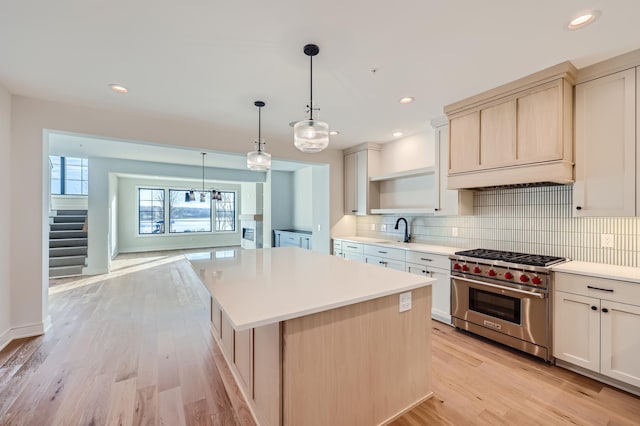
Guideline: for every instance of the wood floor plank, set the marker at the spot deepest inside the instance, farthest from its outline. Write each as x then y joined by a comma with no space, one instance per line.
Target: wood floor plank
171,408
123,398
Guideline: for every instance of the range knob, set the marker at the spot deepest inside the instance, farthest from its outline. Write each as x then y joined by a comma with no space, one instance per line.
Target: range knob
465,268
508,275
536,280
456,266
476,270
492,273
524,278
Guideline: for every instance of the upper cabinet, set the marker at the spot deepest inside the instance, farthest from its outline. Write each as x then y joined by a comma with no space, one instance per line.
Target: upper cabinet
515,134
360,162
447,202
606,117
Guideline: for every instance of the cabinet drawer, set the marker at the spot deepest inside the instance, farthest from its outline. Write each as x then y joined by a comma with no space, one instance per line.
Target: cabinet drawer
388,253
337,245
428,259
601,288
289,240
352,247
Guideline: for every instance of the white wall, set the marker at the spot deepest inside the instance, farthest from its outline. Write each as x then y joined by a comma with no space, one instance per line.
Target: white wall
113,217
302,199
411,152
5,221
130,241
31,118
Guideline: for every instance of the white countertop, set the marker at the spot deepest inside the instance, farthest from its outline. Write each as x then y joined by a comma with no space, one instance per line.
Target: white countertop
424,248
260,287
614,272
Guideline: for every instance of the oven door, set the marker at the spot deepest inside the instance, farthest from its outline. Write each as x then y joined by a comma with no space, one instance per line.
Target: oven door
518,313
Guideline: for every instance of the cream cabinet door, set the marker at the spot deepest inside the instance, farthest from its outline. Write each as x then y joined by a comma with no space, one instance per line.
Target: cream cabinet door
620,356
540,125
576,330
464,142
605,127
440,290
448,202
351,183
498,135
350,255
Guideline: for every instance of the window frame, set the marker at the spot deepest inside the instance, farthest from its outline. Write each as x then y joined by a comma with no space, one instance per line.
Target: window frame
164,211
63,176
235,213
211,227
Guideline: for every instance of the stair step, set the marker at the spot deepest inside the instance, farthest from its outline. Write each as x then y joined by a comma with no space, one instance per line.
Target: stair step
68,242
67,261
71,226
67,251
64,271
54,235
69,218
71,212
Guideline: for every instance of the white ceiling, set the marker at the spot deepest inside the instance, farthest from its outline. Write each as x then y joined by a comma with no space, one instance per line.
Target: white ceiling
210,60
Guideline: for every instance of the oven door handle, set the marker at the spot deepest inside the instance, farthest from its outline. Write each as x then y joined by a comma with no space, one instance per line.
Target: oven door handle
515,290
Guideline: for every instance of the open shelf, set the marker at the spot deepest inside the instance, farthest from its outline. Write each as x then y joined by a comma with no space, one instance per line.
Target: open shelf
404,174
415,210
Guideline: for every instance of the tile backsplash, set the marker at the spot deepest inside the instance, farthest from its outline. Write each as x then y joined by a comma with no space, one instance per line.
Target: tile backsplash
531,220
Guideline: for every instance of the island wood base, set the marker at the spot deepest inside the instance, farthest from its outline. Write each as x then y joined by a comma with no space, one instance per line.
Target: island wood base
362,364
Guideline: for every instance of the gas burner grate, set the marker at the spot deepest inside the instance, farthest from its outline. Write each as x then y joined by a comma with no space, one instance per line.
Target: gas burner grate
513,257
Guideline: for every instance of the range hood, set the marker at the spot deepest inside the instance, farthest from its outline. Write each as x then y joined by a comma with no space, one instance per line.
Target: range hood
519,134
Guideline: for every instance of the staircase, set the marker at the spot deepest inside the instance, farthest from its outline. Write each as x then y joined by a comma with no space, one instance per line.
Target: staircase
67,243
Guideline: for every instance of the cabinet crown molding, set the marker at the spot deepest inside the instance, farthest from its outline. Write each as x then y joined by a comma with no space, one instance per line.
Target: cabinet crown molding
363,146
565,70
609,66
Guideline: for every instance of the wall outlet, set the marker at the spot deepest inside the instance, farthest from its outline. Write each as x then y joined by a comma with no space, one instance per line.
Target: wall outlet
319,227
373,226
606,240
405,301
383,228
454,232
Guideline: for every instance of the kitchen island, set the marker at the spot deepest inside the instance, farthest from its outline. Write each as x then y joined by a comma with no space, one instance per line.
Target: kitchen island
313,339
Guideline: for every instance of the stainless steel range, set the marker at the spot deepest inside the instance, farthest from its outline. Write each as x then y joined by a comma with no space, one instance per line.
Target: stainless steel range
504,296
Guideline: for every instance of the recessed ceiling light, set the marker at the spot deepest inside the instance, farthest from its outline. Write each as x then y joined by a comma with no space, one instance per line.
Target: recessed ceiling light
118,88
397,134
583,19
406,100
334,132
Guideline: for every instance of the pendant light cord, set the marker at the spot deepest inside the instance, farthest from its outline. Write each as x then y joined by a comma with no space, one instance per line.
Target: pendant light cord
259,134
311,87
203,154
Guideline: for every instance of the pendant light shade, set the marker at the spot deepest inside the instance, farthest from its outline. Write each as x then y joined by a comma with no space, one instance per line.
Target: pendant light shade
215,194
311,135
259,160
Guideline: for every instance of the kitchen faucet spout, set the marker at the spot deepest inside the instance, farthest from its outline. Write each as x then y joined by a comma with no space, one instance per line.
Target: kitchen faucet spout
407,237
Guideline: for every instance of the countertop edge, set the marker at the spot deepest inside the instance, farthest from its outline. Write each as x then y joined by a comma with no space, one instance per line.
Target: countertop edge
420,247
302,313
600,270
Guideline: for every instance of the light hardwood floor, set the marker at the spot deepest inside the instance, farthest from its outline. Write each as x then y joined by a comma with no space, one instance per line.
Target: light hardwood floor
134,347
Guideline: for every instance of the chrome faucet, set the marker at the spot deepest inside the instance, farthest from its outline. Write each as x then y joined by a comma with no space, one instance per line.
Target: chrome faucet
407,237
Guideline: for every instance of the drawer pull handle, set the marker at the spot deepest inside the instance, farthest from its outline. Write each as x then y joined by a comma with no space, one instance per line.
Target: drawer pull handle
605,310
352,247
383,252
426,260
354,211
609,290
594,308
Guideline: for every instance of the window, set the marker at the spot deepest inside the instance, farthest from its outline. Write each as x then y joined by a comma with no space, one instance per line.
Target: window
150,211
226,212
69,175
186,215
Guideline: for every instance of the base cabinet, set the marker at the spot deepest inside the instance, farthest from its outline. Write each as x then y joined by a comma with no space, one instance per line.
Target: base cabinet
594,329
292,239
434,266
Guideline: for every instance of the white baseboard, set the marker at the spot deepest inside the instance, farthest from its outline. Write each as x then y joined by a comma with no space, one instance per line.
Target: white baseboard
441,316
24,331
5,338
94,271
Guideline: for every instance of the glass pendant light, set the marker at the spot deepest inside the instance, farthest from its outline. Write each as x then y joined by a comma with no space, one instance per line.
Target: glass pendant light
259,160
215,194
311,135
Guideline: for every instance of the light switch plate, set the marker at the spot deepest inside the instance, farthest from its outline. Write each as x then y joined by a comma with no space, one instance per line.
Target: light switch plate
373,226
383,228
606,240
405,301
454,232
